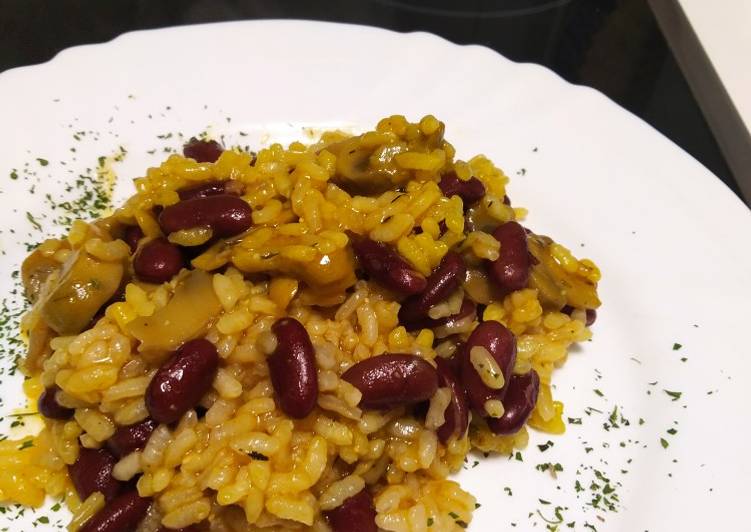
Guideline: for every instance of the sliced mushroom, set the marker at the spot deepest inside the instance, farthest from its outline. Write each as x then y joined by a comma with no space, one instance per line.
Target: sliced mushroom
35,270
556,286
327,275
186,316
40,335
366,166
479,288
69,302
367,169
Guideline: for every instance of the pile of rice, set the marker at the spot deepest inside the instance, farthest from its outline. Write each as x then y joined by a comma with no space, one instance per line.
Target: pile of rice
202,469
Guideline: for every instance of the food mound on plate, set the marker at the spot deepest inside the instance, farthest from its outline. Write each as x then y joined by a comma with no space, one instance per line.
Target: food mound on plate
304,337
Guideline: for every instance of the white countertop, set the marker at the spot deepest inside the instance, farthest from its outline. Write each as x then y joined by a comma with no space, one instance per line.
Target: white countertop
711,40
723,28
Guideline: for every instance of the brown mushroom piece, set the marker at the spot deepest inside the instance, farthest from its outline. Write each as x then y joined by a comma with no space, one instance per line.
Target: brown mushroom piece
186,316
557,287
39,347
479,288
478,217
549,291
70,301
368,166
367,169
35,270
327,276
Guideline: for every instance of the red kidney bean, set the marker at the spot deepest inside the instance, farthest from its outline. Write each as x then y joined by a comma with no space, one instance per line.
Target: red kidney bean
356,513
454,363
412,320
411,317
131,236
520,400
292,367
442,282
202,151
386,266
226,215
468,308
181,382
202,190
511,270
121,515
590,314
50,408
212,188
157,261
93,472
457,412
131,438
501,345
442,227
390,380
506,200
470,191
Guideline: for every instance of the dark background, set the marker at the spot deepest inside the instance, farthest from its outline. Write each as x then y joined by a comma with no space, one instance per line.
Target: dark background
612,45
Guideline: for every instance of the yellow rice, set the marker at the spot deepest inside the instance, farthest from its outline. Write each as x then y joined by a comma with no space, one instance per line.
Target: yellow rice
203,467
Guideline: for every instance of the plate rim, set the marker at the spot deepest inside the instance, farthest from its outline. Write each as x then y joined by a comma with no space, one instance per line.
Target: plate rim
124,38
696,186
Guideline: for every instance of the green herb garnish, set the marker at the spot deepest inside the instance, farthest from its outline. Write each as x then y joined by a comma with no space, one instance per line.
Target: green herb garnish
675,395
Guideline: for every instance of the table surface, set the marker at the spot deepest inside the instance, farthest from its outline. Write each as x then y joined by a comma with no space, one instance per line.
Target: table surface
614,46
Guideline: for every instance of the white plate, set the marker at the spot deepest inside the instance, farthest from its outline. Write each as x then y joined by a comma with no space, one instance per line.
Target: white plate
672,241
